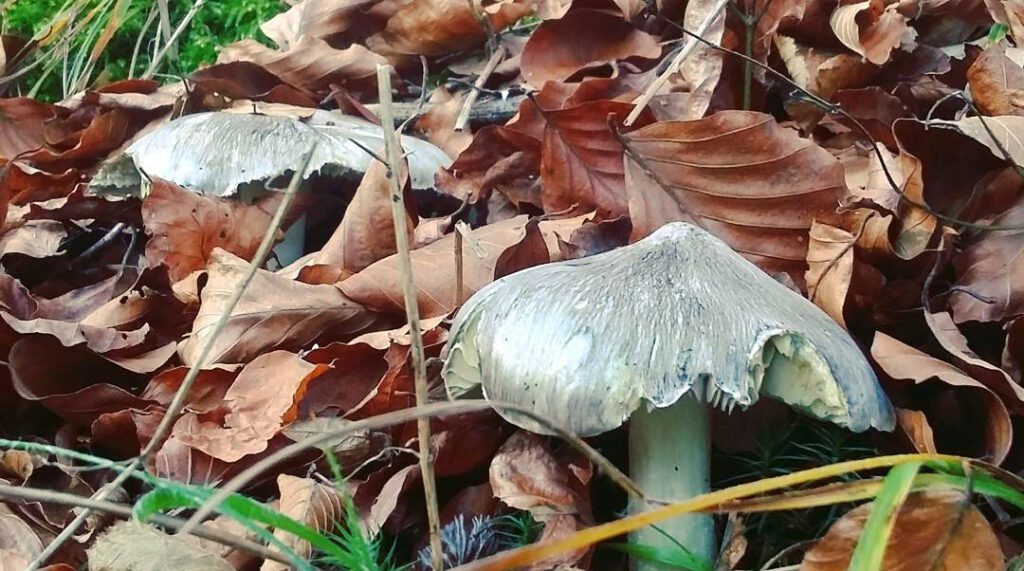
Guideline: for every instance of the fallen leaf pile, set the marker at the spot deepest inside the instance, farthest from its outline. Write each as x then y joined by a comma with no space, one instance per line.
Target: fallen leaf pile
881,178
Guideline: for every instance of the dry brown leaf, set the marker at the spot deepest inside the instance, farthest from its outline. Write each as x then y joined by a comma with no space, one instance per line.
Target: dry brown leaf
438,123
581,163
18,543
997,83
367,231
901,361
598,39
914,425
749,181
35,238
938,530
954,342
263,398
992,267
185,227
438,27
499,158
527,474
23,125
16,464
311,503
871,28
339,23
134,546
311,63
830,268
508,248
1013,352
274,313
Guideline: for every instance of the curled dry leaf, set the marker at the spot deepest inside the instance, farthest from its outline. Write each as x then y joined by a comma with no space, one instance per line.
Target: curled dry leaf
527,474
499,158
830,268
134,546
990,285
901,361
997,83
914,425
274,313
438,27
871,28
581,163
35,238
953,341
24,125
509,245
938,530
752,183
264,397
339,23
18,543
73,382
185,227
310,63
308,502
598,39
438,123
367,231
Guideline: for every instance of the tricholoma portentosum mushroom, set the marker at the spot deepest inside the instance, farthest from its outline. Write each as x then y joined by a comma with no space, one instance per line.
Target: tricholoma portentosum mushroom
653,333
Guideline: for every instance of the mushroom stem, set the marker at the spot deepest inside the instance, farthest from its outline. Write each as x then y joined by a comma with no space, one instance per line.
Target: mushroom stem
670,459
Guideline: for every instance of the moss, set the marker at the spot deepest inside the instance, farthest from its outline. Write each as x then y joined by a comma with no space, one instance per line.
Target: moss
216,24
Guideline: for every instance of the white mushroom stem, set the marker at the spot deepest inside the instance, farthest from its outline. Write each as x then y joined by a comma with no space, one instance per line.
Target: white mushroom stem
670,459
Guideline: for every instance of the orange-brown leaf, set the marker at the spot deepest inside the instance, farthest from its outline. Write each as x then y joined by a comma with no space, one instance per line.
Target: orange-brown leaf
938,530
274,313
263,398
754,184
367,231
597,39
185,227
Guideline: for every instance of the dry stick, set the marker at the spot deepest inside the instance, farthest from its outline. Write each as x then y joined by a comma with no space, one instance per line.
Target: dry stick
393,154
125,511
467,105
399,416
153,65
684,53
459,286
193,373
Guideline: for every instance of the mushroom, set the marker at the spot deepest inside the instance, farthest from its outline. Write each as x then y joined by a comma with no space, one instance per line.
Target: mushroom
654,332
239,154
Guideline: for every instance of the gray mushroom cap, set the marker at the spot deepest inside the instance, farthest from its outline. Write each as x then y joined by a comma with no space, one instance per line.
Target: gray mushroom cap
585,342
218,153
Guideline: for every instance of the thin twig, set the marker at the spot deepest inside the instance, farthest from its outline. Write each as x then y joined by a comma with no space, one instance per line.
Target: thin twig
423,96
393,154
245,477
125,511
467,105
684,53
459,277
155,64
193,373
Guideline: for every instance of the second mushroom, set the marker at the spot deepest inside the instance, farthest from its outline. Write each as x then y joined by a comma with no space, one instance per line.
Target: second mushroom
654,333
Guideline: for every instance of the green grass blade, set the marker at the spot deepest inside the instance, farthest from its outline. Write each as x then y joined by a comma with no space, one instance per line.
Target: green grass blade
676,558
870,550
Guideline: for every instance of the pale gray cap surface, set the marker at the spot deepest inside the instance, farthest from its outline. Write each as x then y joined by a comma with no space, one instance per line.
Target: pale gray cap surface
586,342
218,152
